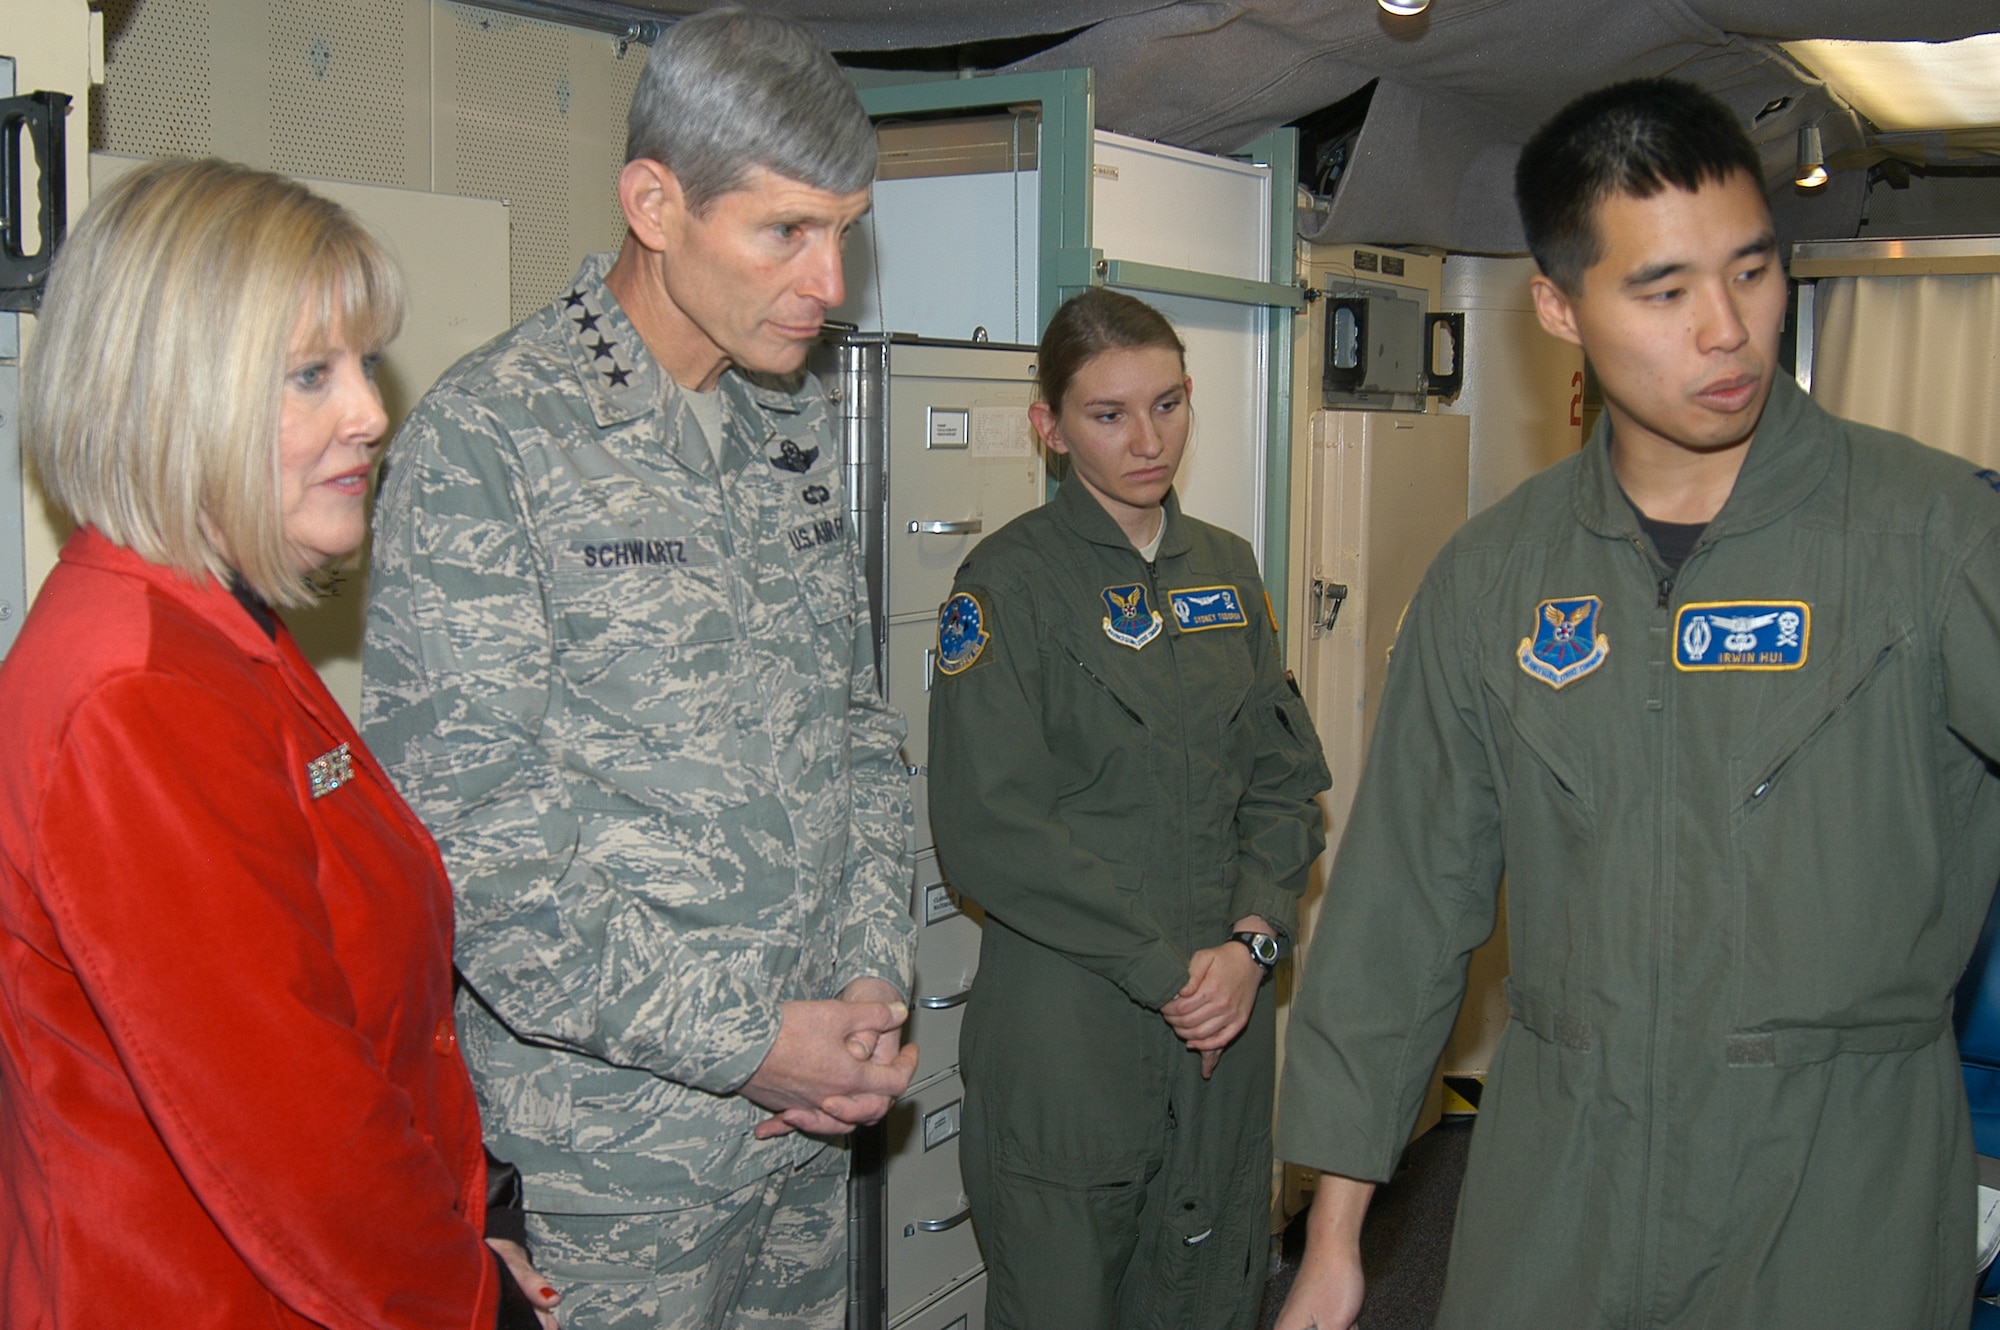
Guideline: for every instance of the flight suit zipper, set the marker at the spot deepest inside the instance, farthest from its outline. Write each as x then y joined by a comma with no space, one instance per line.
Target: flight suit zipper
1171,634
1665,905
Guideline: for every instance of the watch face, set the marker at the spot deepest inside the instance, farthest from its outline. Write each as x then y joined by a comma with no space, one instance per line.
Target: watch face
1263,947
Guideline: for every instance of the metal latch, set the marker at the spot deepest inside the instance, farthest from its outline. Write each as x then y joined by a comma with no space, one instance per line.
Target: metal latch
1327,598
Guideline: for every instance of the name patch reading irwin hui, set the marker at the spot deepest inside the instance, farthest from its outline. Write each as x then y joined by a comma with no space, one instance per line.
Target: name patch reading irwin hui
1743,635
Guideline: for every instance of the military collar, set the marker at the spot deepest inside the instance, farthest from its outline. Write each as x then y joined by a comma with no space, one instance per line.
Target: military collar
1788,459
618,374
1080,511
624,383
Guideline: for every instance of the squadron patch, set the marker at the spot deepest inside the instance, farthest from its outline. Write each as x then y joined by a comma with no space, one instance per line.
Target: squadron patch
1742,635
1204,607
1131,623
1566,645
961,633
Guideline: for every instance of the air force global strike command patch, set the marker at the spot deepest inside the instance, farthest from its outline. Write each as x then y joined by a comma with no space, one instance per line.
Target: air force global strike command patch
1566,645
1204,607
1742,635
961,633
1131,623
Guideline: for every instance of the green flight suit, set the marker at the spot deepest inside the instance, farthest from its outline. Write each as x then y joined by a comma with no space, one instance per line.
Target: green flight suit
1750,824
1114,808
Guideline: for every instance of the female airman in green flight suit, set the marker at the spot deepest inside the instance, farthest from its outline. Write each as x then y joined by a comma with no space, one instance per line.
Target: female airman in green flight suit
1123,779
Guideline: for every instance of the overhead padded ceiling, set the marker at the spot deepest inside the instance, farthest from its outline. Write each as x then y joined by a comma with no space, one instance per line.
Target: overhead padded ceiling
1461,85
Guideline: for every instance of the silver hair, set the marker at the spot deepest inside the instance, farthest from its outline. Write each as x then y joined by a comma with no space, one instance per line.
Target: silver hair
729,89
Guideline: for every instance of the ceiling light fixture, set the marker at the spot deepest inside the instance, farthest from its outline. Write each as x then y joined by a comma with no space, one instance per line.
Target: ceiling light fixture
1404,8
1812,159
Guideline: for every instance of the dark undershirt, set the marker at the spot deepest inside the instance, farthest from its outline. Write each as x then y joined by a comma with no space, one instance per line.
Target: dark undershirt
1673,541
255,605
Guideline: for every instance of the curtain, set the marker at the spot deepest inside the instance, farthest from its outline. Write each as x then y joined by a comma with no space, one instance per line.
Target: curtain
1919,355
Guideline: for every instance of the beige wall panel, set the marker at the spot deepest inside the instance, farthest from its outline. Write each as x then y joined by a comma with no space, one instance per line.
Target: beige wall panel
348,90
160,101
533,114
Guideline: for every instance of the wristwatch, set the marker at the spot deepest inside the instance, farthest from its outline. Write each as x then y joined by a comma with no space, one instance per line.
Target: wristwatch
1263,948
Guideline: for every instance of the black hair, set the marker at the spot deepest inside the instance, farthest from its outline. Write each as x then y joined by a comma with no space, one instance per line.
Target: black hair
1634,138
1095,321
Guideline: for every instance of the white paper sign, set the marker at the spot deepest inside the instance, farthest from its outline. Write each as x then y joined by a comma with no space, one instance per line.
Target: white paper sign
1002,431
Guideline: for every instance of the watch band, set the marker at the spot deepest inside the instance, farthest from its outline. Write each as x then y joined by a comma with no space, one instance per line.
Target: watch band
1262,946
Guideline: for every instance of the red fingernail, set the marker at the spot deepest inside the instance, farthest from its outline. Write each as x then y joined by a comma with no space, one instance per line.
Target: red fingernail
548,1292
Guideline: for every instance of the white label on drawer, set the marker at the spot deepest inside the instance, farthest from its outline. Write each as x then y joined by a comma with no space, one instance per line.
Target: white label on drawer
940,1125
950,427
1002,431
939,904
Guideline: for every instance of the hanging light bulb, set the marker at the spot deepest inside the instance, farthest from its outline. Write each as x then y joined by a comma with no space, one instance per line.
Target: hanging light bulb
1404,8
1812,159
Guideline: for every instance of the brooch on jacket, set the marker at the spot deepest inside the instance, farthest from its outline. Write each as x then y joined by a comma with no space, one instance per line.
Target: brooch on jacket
329,771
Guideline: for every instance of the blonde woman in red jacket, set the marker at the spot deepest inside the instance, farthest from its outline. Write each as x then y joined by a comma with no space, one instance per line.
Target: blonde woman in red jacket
230,1091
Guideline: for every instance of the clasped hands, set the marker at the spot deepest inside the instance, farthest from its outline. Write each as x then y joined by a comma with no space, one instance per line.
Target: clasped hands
836,1065
1221,990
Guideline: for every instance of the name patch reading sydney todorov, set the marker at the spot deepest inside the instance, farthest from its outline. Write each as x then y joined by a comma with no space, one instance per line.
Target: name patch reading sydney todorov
1742,635
1201,608
1566,645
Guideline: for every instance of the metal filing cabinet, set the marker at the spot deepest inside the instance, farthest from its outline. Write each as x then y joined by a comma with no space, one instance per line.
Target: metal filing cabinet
940,454
963,1308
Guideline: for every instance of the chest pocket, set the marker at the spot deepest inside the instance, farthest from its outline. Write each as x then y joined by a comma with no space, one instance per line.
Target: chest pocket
1835,850
643,635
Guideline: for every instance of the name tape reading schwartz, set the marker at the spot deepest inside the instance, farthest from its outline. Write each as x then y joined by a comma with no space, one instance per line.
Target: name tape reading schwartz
661,553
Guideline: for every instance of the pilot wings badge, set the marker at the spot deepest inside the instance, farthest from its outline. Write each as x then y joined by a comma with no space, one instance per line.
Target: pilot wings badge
1566,645
1131,623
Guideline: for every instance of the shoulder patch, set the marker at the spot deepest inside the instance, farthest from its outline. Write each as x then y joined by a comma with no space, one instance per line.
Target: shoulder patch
1131,622
1990,476
1742,635
1198,609
962,633
1566,644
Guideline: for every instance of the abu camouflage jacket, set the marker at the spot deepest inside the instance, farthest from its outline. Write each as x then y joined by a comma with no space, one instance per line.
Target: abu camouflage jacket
631,691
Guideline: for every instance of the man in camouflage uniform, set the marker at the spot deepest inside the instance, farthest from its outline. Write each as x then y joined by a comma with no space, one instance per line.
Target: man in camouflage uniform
618,662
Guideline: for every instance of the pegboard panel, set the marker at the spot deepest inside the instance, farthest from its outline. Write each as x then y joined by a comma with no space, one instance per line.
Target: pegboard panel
157,98
534,113
345,101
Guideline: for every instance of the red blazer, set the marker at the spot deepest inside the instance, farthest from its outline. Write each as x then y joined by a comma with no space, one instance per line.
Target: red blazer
230,1091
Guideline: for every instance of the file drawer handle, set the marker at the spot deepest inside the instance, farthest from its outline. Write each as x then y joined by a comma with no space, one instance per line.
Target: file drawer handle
971,526
947,1002
937,1225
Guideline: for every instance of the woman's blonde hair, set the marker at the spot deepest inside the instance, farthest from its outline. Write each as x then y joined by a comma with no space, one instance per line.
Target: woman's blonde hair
151,394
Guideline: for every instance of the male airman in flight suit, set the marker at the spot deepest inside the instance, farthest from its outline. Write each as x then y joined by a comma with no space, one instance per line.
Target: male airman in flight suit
1721,695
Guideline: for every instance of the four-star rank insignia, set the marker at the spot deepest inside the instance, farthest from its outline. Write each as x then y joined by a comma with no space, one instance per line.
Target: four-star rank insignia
1131,623
1566,645
962,633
